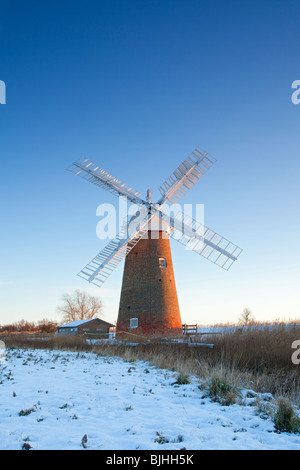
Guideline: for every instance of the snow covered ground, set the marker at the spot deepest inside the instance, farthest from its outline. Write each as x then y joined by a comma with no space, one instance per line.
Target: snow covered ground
52,399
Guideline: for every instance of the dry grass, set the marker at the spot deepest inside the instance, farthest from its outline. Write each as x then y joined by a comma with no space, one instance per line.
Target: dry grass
257,359
222,390
285,418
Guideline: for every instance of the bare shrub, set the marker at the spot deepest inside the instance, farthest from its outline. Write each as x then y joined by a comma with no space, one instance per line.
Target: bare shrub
161,439
84,441
27,412
26,446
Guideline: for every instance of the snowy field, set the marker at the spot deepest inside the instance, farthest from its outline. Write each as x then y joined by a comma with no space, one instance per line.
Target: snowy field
52,399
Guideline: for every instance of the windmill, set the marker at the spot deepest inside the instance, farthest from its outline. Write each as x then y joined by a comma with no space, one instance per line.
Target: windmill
148,301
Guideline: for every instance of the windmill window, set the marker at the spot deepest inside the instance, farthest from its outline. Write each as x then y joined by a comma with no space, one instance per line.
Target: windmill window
134,322
162,262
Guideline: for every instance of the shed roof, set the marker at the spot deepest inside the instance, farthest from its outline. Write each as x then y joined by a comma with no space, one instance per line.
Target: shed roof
74,324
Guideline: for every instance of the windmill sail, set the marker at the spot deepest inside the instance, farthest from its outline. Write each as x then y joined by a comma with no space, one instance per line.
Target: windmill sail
93,173
201,239
187,231
185,176
100,267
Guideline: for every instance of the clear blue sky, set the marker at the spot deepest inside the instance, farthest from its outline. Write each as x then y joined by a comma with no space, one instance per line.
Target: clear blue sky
135,86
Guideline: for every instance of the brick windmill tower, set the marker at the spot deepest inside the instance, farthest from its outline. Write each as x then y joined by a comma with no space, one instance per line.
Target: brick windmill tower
148,302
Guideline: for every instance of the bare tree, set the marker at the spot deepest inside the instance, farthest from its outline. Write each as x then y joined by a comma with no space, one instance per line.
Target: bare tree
79,306
246,317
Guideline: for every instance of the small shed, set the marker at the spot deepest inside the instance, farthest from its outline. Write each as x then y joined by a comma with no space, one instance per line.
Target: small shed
94,328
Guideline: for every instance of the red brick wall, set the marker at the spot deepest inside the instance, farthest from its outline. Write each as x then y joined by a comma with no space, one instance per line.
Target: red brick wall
149,291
